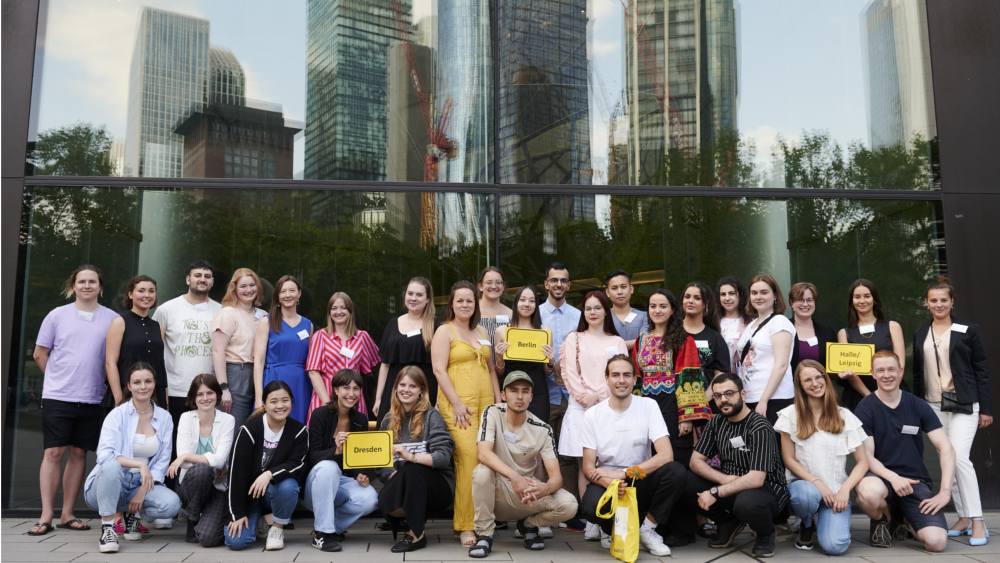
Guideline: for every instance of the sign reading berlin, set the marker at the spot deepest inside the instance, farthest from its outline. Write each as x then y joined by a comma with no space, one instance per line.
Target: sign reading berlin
849,357
526,344
368,449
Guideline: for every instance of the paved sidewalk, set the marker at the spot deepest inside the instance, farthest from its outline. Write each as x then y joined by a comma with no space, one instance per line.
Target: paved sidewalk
365,544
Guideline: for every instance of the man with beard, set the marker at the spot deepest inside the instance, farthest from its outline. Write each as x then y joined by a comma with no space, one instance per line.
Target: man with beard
750,490
619,433
187,345
503,487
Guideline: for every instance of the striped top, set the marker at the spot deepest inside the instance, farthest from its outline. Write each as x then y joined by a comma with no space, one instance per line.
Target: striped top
328,354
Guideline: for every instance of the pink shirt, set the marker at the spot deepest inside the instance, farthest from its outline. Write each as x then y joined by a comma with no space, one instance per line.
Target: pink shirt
594,354
328,354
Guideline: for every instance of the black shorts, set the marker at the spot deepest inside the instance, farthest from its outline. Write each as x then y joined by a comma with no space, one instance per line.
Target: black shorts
71,424
910,505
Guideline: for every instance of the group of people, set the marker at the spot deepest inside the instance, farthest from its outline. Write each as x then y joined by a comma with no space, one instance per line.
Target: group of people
236,414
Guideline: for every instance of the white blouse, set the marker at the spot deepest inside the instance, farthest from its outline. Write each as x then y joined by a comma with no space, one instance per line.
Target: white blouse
823,454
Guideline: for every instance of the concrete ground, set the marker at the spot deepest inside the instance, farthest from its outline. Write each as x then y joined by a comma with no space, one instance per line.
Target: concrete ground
365,544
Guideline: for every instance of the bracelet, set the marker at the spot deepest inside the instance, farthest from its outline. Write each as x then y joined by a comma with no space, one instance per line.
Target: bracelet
814,480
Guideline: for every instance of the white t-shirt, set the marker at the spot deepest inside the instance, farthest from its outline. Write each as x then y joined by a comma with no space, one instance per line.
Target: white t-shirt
187,346
757,366
623,439
823,454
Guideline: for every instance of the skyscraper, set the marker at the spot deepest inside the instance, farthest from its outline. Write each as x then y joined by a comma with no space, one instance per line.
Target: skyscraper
347,56
897,72
168,80
686,49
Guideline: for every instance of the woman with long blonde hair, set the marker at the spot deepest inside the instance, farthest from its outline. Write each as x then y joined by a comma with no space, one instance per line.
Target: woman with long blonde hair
816,436
421,479
234,330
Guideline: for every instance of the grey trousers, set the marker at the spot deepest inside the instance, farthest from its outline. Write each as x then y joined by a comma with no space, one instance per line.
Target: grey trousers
200,497
241,388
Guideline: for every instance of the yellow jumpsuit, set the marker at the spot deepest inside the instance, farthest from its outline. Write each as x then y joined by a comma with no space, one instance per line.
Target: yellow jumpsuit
470,377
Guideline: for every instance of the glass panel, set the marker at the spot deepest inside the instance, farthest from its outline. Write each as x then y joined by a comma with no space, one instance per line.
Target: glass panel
173,88
717,92
367,244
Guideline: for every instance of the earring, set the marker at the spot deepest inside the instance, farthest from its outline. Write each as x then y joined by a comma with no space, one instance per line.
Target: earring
420,397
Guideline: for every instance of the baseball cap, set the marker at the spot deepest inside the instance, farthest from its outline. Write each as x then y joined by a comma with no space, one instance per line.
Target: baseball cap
517,375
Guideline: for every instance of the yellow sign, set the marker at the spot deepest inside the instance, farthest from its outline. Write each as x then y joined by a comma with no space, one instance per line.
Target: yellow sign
368,449
849,357
526,344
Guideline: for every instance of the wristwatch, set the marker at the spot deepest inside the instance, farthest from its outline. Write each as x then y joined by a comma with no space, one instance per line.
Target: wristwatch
224,386
714,491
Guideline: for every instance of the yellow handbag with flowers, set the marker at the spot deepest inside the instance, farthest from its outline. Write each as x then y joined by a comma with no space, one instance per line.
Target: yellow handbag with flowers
625,511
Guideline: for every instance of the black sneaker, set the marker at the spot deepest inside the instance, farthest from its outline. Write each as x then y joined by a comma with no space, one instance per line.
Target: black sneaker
726,533
339,536
109,539
898,530
805,539
191,536
879,533
763,546
131,524
325,542
678,539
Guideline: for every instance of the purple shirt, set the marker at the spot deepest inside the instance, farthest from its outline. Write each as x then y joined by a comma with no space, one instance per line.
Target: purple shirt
75,370
807,352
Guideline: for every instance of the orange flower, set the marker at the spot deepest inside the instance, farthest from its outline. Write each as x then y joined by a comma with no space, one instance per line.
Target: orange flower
635,472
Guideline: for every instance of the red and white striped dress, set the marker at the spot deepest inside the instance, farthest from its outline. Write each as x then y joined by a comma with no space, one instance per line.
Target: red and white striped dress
326,357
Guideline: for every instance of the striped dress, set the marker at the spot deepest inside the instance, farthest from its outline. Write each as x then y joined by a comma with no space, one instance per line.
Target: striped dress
328,354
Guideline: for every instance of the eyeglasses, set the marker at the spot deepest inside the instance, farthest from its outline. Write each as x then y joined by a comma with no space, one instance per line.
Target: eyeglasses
727,394
493,283
557,281
596,309
807,301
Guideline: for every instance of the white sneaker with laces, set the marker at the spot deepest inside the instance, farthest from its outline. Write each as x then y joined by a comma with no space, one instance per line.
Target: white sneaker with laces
545,532
652,542
275,539
109,539
592,532
163,523
605,540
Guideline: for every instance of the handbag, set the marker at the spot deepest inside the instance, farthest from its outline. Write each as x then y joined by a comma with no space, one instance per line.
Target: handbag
949,401
625,511
746,347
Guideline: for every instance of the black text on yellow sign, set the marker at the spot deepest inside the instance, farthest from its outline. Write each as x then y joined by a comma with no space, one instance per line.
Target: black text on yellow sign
526,344
849,357
368,449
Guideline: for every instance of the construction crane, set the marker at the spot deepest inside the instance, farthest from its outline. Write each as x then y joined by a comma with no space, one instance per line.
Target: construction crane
438,144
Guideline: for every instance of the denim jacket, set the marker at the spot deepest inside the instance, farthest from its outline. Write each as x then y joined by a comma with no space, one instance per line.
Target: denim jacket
116,440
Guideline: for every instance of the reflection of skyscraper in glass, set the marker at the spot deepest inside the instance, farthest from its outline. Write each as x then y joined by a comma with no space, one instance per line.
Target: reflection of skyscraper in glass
544,108
697,69
897,71
227,82
167,81
348,46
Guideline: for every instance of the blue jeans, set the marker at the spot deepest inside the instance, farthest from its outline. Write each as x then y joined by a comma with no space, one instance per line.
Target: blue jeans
336,501
279,501
833,530
113,488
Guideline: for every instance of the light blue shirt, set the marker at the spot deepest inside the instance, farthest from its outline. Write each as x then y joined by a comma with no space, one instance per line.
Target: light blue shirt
631,330
118,432
562,321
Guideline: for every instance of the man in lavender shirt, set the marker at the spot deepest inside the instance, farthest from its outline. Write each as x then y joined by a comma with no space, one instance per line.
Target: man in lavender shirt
70,352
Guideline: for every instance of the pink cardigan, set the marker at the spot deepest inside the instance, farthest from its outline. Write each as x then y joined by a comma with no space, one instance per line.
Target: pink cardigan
589,378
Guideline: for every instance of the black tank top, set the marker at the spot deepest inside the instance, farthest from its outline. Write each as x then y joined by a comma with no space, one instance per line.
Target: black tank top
882,339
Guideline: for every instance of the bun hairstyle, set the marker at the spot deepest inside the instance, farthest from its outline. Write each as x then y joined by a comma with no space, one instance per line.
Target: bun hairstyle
132,283
942,282
126,393
67,286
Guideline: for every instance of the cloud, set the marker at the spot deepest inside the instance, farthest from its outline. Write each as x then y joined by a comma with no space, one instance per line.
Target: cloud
765,138
598,10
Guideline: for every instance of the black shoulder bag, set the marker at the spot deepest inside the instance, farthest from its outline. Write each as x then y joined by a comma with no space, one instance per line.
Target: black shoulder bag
949,401
746,347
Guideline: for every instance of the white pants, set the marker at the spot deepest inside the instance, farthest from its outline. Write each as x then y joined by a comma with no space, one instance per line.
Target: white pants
961,430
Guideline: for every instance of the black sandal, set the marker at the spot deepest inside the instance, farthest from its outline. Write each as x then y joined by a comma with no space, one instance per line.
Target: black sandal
44,528
69,525
535,543
484,544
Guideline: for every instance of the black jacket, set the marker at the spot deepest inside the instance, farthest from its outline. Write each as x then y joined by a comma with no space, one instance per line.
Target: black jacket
287,462
323,435
824,334
969,368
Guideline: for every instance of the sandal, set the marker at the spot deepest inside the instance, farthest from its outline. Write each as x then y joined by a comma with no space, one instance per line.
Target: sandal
43,528
467,542
707,530
482,547
69,525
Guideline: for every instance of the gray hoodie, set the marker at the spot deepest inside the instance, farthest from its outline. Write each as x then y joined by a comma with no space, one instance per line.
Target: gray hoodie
436,441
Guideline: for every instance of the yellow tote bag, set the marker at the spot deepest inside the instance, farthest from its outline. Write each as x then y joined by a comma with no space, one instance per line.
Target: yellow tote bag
625,511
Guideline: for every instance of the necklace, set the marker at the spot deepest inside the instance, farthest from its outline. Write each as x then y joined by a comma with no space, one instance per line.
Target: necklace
142,412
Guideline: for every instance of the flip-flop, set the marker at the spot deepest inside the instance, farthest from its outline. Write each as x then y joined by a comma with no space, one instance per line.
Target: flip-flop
69,525
45,527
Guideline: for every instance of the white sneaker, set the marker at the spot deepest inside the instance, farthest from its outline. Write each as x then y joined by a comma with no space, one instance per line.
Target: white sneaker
545,532
276,539
592,532
163,523
652,542
605,540
109,539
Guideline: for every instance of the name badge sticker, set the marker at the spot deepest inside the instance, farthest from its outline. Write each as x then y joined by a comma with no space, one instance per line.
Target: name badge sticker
701,343
85,316
867,329
737,442
138,439
258,315
955,327
303,334
347,352
630,317
510,436
910,430
413,333
611,350
812,341
503,319
483,342
201,307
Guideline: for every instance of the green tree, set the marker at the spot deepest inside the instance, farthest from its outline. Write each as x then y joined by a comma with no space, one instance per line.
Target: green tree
75,150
